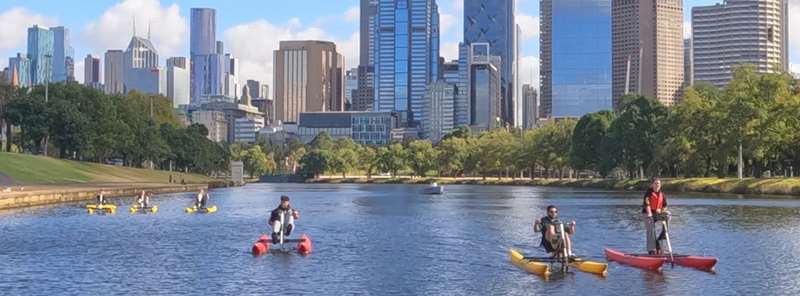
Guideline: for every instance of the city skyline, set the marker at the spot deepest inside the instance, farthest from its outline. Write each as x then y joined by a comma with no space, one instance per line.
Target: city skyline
97,27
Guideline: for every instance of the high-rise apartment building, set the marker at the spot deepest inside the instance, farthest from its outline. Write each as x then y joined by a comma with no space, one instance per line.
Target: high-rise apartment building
406,56
350,86
648,49
738,32
530,102
364,97
63,55
308,77
91,70
437,115
688,63
485,89
40,53
19,71
178,81
254,87
113,72
206,63
492,21
575,55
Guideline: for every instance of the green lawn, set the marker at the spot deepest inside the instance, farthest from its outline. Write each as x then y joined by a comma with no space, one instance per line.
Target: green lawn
21,169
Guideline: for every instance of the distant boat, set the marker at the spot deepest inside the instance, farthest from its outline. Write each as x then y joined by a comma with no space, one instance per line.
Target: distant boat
433,189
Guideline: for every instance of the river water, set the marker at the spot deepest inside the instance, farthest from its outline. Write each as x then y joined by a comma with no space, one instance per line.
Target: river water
388,239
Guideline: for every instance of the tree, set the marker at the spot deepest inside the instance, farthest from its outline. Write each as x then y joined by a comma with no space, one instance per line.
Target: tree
256,163
315,163
421,157
452,155
633,136
345,157
367,160
586,151
391,159
552,142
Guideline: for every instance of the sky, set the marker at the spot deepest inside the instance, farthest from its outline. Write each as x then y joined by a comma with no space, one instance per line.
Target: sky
252,29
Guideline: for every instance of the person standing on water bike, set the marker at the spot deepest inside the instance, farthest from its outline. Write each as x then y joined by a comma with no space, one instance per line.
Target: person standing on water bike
289,214
654,208
550,227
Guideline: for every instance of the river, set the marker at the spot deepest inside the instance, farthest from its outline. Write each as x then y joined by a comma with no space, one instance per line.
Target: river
388,239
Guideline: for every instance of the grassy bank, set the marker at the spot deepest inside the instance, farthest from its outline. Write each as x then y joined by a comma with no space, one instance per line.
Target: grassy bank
776,186
21,169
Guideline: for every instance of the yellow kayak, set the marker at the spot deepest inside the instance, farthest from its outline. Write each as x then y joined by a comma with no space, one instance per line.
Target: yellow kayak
543,268
206,210
136,209
109,208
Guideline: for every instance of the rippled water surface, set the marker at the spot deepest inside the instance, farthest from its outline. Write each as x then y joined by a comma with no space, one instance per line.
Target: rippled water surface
387,239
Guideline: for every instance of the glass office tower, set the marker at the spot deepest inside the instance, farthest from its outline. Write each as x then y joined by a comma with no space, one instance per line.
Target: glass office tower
405,56
579,50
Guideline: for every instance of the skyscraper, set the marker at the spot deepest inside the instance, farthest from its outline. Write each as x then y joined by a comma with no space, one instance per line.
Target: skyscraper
63,55
492,21
648,49
113,72
575,47
753,32
309,77
254,87
40,53
437,115
350,86
688,63
140,68
19,71
363,99
91,71
231,76
206,71
177,81
485,88
406,57
530,101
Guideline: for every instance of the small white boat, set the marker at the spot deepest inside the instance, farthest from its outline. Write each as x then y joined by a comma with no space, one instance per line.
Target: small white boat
433,189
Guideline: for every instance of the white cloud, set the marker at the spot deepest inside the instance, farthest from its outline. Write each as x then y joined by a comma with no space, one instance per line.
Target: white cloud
529,71
79,69
353,14
253,43
529,26
114,28
446,22
449,50
794,68
14,31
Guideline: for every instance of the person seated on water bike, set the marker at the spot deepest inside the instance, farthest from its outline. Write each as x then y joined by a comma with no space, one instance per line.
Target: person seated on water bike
143,200
550,227
101,198
202,199
289,214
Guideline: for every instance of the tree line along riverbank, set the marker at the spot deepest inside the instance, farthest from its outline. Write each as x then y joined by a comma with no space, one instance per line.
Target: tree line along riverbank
756,186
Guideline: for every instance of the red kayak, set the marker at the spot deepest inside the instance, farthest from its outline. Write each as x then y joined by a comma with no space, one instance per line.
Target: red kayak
261,246
697,262
635,261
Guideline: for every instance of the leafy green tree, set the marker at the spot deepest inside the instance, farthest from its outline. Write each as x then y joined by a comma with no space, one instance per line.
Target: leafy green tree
452,156
421,157
315,162
256,163
391,159
633,136
589,136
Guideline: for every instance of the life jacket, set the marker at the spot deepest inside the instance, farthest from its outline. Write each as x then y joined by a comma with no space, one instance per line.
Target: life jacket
655,200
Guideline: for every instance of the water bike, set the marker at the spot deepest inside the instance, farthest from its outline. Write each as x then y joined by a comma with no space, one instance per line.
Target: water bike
654,261
101,208
200,210
136,209
545,266
262,245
